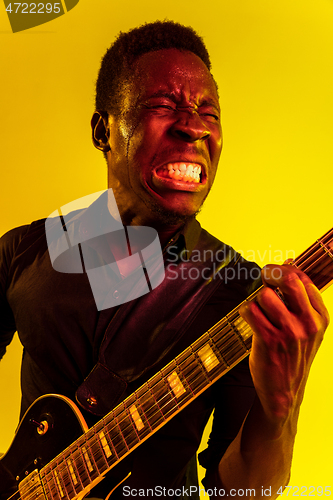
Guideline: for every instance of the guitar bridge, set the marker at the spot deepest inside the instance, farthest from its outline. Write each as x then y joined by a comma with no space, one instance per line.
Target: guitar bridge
31,488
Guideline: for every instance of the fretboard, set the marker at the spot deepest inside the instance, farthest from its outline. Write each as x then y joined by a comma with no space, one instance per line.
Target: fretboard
89,458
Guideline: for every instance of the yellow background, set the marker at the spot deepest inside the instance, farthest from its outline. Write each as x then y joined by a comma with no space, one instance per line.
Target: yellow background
273,194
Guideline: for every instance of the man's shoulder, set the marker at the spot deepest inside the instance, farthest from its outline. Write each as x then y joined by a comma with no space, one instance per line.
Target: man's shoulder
231,266
209,242
11,239
24,235
16,234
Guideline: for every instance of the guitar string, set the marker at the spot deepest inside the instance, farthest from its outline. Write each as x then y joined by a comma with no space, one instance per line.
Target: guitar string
15,495
71,451
325,239
98,469
128,436
130,424
312,262
119,451
123,450
106,462
304,259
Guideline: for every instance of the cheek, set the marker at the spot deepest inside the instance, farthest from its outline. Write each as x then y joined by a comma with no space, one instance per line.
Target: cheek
143,145
216,145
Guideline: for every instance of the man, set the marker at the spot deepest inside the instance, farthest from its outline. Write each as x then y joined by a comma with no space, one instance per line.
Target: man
157,122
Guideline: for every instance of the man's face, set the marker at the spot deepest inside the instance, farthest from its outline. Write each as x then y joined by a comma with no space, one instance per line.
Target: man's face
166,142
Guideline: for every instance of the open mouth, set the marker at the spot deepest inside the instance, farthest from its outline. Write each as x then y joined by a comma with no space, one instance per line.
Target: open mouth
181,171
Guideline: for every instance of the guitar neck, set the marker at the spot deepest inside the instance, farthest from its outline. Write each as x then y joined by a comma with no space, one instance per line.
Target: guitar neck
98,450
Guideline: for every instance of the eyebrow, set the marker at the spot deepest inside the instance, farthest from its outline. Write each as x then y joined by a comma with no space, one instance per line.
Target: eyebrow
172,96
161,93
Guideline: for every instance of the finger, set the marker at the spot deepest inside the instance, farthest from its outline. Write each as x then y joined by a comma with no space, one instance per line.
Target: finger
288,261
255,317
273,275
317,302
272,306
292,283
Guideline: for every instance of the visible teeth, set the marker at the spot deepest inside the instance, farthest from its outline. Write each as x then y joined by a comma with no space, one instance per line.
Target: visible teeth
182,171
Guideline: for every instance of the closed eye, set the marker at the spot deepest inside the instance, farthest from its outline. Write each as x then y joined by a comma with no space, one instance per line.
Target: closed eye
160,106
163,106
212,115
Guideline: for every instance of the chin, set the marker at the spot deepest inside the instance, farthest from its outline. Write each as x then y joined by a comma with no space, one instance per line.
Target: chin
172,217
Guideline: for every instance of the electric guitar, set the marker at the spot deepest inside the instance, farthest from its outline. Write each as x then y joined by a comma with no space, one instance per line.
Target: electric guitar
48,465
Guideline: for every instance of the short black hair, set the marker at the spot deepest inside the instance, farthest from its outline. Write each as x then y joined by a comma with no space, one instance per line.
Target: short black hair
117,63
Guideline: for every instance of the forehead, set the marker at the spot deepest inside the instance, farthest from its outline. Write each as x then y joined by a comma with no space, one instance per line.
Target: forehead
173,71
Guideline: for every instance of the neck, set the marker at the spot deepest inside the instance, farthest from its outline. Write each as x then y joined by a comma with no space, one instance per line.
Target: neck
166,234
165,224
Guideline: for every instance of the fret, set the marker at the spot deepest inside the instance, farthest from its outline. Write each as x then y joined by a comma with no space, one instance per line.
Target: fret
49,484
176,386
105,445
64,478
244,332
86,452
136,417
138,404
316,261
126,426
87,461
321,274
80,466
96,454
235,354
327,247
149,405
73,473
224,341
115,435
201,341
208,358
105,442
67,470
238,325
193,371
50,490
163,395
229,348
58,482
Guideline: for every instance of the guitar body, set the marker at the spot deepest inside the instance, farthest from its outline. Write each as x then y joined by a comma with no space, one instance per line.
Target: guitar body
31,448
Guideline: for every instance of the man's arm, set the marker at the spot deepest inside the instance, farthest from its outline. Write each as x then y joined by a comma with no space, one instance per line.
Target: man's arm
286,338
8,246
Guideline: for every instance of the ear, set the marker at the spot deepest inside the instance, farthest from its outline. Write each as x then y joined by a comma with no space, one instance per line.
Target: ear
100,131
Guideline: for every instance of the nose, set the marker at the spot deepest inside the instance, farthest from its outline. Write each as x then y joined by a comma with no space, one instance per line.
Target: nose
189,127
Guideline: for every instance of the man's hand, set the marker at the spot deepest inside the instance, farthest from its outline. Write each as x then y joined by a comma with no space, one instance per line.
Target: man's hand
287,335
286,338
